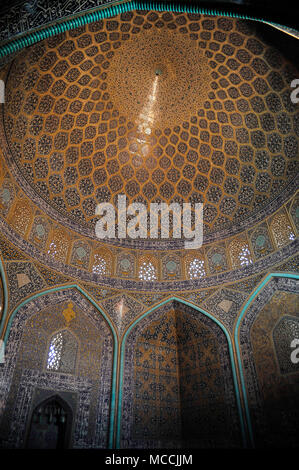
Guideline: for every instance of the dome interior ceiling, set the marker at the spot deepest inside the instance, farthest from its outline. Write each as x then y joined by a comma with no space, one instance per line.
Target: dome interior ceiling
157,106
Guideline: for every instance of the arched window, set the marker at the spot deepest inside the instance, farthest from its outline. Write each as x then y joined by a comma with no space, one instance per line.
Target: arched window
62,353
240,253
282,230
147,271
59,245
102,262
196,268
99,265
21,217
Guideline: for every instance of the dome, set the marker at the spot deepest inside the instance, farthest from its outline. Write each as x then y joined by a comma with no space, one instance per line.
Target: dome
159,107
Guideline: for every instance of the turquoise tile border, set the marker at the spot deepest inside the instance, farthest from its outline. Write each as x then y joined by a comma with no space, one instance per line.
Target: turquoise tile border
109,10
236,386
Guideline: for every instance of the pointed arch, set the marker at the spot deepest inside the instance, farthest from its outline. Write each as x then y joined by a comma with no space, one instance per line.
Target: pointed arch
195,265
239,252
64,420
6,328
59,244
281,229
231,359
253,297
20,216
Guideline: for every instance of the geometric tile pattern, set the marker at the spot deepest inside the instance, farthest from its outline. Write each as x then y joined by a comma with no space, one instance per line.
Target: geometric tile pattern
225,305
88,372
176,383
232,146
23,280
271,377
122,309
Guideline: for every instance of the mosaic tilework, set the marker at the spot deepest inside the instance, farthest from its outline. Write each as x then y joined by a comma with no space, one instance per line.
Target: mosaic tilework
239,252
81,254
8,251
248,285
1,298
291,265
7,193
78,395
281,229
147,299
261,241
197,297
171,267
295,211
225,305
219,155
99,293
111,258
59,245
26,361
39,232
158,347
217,259
22,18
21,216
23,280
122,309
126,265
273,397
219,278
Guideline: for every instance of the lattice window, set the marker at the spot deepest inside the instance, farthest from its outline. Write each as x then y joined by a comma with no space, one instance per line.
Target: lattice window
240,253
99,265
196,268
58,247
55,350
62,353
147,271
282,230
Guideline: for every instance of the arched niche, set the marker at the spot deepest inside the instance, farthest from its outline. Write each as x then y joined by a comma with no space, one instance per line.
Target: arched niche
271,380
50,424
177,383
25,368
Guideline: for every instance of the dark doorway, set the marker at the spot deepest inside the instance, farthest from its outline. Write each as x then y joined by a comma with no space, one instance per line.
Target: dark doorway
50,425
